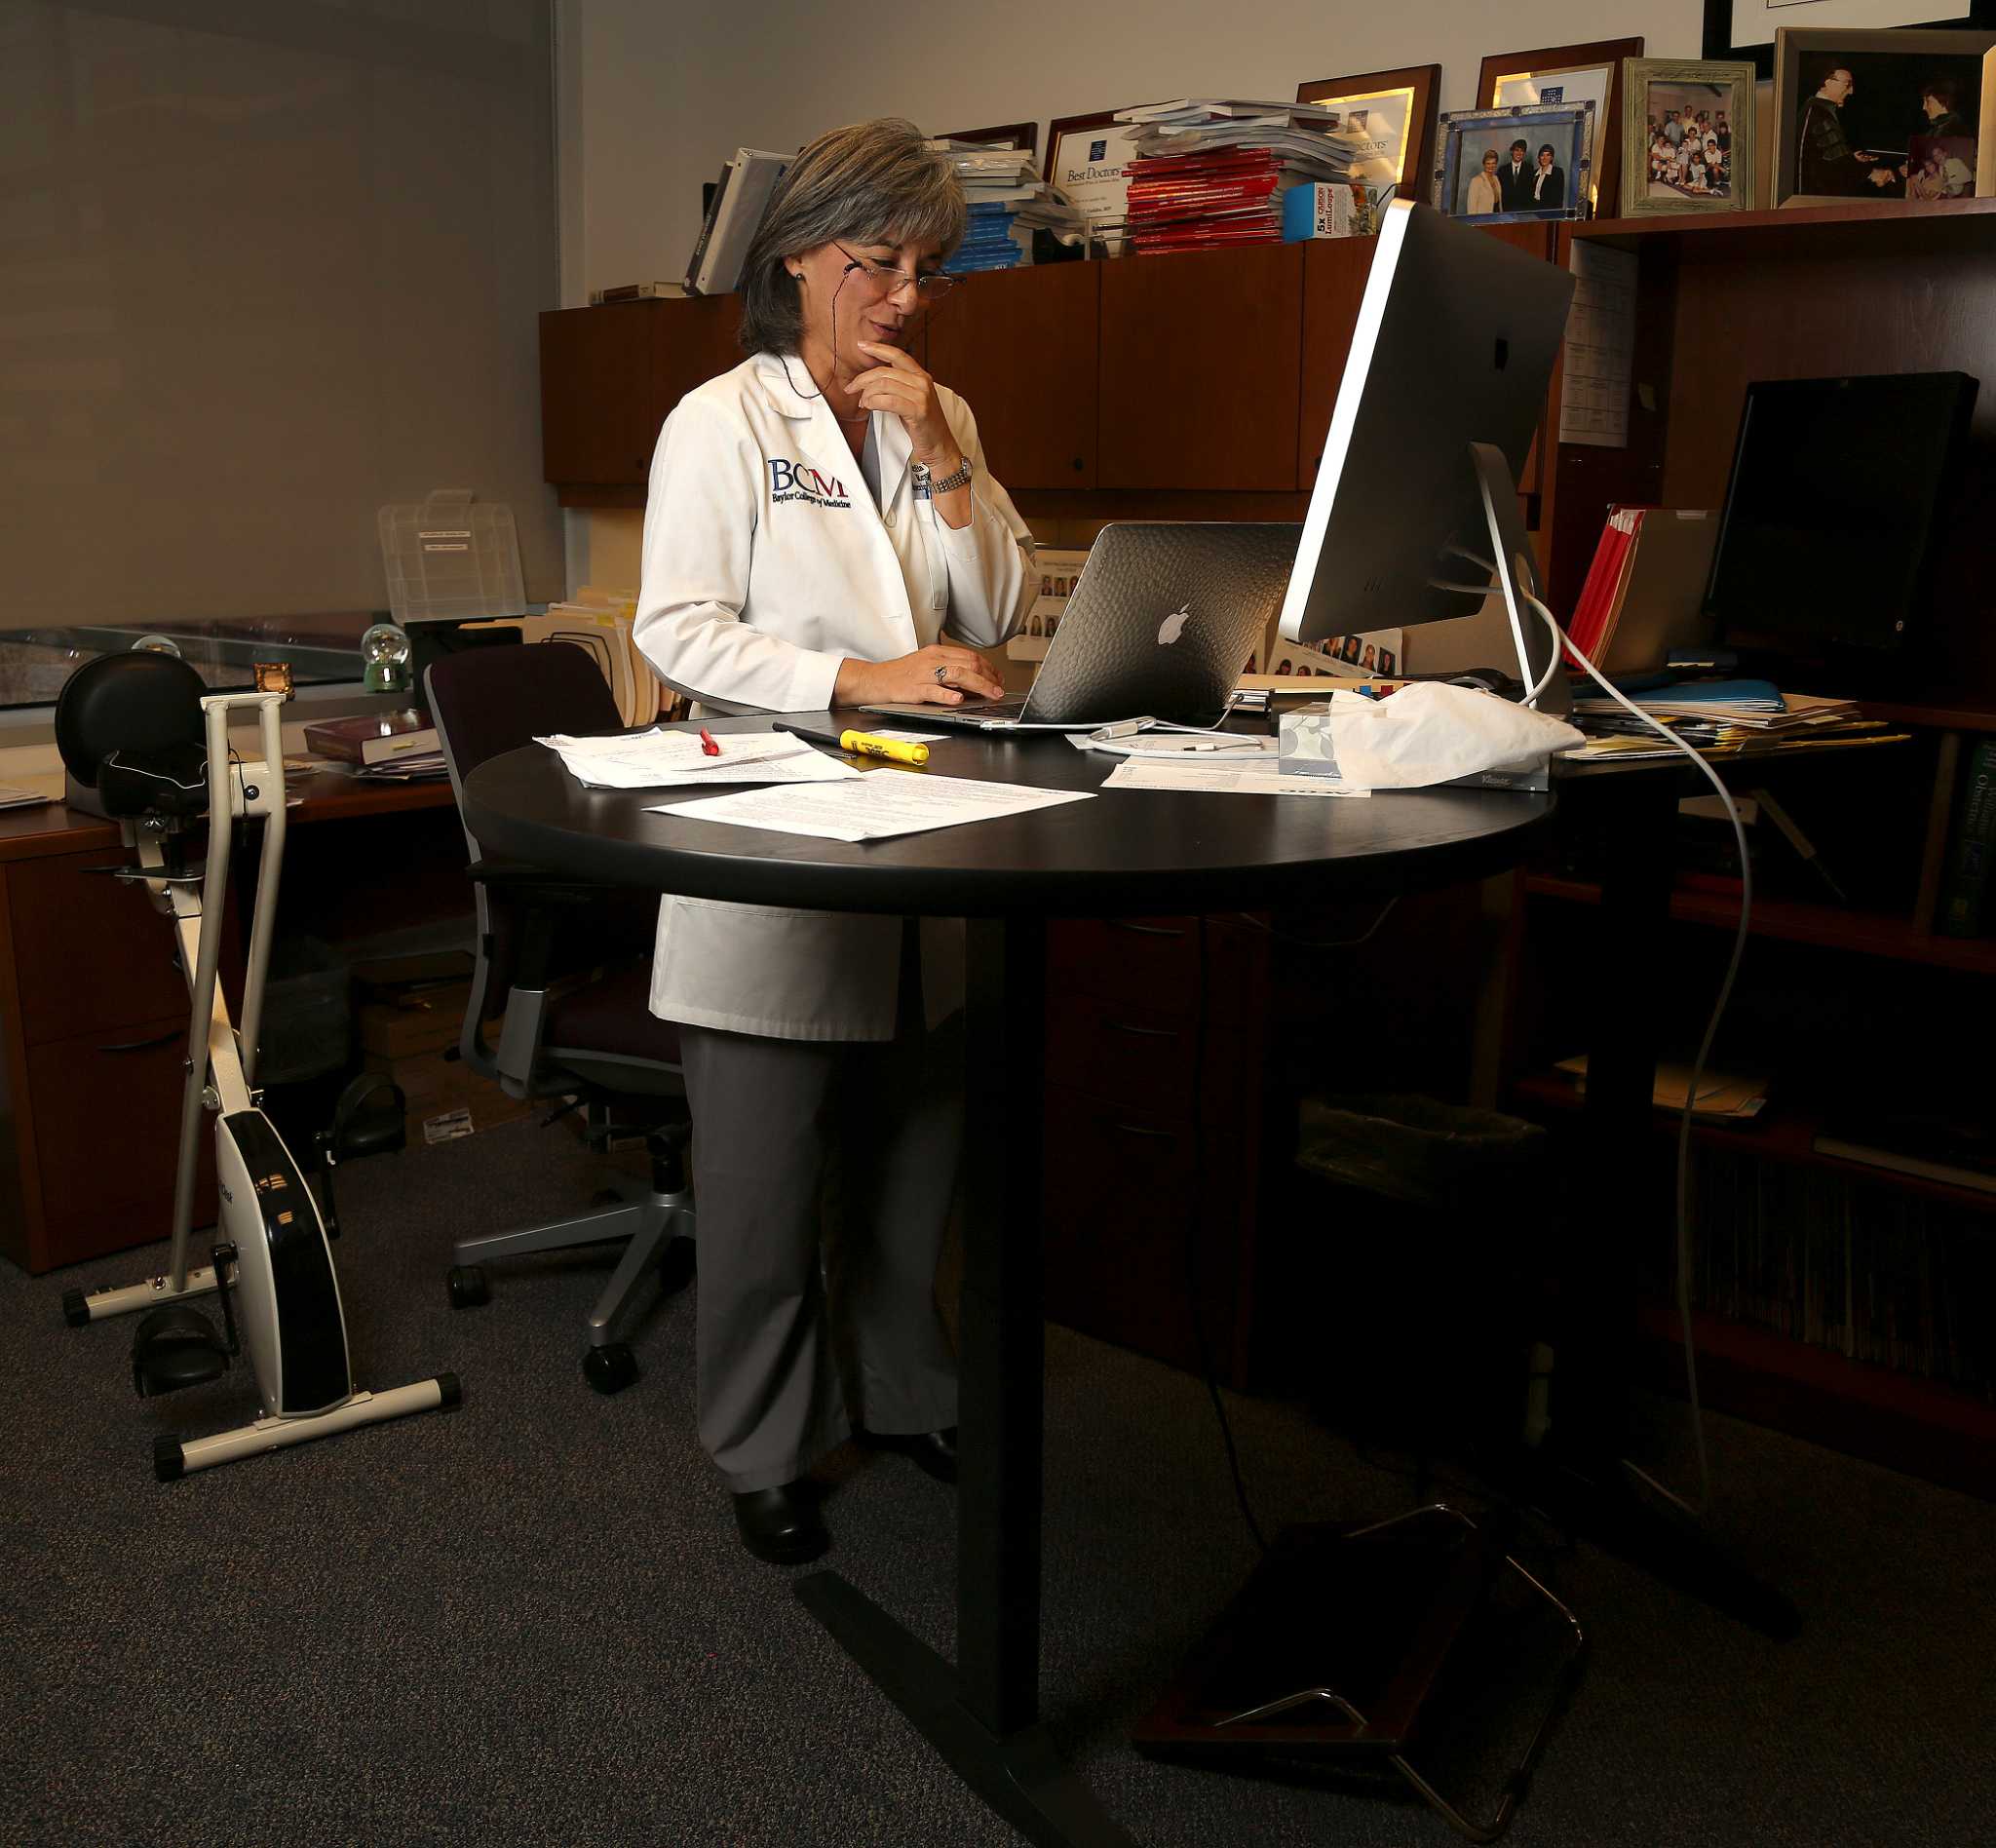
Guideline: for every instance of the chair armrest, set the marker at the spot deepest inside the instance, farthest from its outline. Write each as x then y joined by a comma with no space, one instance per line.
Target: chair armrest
521,879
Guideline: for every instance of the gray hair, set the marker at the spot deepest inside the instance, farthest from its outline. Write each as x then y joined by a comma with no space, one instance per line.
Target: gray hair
874,182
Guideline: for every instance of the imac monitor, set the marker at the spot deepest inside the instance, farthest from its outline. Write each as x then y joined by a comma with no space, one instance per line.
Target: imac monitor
1454,347
1836,498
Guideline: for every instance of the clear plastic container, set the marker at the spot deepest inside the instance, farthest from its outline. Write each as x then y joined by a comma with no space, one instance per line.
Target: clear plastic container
451,558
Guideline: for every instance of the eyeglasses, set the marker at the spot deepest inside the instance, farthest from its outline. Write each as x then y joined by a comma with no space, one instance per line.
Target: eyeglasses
889,280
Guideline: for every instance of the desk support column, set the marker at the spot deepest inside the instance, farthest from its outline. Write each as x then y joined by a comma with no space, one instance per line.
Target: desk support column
982,1714
1003,1335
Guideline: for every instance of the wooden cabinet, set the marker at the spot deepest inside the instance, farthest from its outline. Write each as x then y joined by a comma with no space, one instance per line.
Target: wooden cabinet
94,1022
596,403
689,342
1020,347
1200,370
1335,270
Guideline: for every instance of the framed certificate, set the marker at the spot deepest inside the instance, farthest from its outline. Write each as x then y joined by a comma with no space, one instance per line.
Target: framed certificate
1393,112
1563,76
1025,135
1745,28
1089,157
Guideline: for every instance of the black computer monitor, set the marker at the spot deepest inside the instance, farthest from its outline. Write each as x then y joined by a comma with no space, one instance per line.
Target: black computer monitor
1839,493
1456,339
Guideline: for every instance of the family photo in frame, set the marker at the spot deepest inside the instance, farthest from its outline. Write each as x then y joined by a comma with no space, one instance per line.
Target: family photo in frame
1687,136
1515,165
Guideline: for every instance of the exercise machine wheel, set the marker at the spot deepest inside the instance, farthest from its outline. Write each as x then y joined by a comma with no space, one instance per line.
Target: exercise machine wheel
468,1287
612,1369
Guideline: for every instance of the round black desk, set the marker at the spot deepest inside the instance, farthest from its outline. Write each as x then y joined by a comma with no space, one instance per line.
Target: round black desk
1128,853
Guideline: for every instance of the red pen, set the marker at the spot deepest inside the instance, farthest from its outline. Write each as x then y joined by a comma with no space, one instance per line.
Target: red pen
707,747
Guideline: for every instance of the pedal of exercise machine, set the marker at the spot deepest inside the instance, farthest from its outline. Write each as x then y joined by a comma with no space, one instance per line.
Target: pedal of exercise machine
174,1346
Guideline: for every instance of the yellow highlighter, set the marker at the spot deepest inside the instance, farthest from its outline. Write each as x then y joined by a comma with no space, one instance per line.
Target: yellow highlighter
893,750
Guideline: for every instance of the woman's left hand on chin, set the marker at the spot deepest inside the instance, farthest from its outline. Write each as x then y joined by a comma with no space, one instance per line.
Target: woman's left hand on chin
899,385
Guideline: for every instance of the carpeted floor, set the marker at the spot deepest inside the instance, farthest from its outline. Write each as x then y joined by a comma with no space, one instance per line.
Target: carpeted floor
530,1621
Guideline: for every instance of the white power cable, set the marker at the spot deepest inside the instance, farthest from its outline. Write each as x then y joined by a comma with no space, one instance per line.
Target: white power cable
1560,639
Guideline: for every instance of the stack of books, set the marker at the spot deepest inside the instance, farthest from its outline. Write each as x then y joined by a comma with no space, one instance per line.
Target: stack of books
1211,174
1008,203
396,747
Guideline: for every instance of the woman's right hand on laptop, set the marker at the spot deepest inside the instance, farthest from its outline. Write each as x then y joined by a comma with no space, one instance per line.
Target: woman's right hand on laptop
939,674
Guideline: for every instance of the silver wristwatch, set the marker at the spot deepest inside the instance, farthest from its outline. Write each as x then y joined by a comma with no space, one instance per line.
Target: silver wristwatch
959,476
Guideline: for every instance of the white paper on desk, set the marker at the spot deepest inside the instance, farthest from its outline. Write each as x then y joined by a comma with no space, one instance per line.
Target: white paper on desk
663,759
1217,776
1430,733
880,803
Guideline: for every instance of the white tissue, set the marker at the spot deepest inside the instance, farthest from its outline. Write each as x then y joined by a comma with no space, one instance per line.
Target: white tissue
1424,734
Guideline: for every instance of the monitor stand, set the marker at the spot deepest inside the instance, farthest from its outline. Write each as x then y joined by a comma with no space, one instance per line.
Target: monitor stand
1518,576
1517,573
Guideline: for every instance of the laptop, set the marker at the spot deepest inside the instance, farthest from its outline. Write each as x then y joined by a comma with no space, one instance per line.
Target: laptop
1161,623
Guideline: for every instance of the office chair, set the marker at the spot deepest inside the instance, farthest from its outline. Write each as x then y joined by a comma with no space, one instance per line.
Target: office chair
571,964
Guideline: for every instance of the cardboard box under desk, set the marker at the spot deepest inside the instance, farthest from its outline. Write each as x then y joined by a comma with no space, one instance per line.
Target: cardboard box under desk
431,1021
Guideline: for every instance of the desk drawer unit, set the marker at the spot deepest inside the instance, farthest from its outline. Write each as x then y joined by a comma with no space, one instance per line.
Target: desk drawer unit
1127,1232
1122,1052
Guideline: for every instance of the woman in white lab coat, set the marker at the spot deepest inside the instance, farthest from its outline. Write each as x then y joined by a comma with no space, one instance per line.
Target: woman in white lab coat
822,532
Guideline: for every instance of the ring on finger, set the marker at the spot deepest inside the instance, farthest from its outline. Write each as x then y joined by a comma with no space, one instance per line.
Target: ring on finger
943,674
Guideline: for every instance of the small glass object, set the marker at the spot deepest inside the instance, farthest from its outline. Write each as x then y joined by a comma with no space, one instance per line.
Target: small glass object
385,659
157,644
273,676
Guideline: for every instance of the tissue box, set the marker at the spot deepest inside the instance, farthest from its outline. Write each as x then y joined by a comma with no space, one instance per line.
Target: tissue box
1304,747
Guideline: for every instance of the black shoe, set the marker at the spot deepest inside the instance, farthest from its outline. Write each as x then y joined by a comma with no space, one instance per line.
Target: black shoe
933,1452
780,1525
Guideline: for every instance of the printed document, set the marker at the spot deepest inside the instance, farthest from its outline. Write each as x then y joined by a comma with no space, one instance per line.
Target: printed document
880,803
1219,776
663,759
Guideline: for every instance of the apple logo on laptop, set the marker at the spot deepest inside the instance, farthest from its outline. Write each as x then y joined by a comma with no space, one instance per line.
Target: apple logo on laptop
1173,626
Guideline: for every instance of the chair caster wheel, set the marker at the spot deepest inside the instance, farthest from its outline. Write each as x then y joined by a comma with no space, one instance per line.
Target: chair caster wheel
609,1369
678,1264
468,1287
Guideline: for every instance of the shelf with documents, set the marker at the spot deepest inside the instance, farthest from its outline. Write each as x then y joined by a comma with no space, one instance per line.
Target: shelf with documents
1782,1133
1869,933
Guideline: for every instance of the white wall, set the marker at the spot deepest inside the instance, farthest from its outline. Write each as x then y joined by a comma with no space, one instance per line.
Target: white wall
662,93
654,94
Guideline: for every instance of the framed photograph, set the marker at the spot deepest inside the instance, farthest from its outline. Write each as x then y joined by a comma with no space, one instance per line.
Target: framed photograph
1569,75
1883,115
1687,136
1025,135
1745,28
1394,111
1089,157
1506,166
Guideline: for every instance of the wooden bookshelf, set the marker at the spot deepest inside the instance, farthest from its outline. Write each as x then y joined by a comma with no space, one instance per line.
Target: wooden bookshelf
1923,1427
1946,223
1783,1133
1886,934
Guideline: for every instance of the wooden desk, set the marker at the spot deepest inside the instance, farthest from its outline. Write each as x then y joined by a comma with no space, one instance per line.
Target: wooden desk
94,1029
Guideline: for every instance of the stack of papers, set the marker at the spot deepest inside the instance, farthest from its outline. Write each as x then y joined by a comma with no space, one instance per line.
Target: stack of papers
1213,172
1008,203
660,760
598,621
1721,1097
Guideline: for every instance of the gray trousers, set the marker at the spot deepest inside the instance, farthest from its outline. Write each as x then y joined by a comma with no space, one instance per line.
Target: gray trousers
792,1139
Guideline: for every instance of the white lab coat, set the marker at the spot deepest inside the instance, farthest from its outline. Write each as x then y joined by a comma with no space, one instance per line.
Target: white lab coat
766,565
